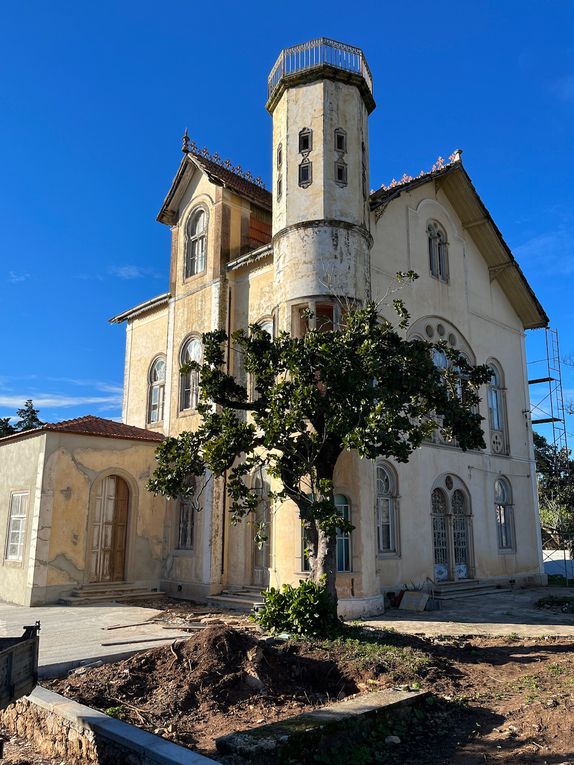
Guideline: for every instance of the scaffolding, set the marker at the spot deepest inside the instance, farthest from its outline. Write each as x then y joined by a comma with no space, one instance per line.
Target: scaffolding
550,408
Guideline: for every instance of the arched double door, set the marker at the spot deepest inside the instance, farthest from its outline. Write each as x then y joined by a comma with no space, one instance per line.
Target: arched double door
108,530
452,530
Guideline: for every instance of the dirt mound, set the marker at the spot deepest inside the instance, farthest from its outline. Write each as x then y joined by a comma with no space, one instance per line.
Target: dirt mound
218,675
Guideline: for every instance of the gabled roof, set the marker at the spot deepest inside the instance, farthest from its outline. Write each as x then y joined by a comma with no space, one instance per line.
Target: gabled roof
218,174
91,426
149,305
455,182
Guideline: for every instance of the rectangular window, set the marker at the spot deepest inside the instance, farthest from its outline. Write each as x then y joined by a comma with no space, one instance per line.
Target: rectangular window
16,526
341,173
305,174
279,187
305,545
185,525
305,140
340,141
385,525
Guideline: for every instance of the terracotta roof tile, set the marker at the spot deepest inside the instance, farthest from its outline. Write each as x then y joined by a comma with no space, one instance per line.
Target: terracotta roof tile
94,426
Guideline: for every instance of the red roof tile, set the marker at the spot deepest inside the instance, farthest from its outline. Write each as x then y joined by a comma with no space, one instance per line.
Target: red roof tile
94,426
232,180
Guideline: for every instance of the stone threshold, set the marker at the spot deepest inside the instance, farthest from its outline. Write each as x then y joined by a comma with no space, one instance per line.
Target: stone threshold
267,743
87,735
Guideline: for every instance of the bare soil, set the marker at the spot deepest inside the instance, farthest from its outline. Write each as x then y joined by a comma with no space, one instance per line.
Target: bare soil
496,700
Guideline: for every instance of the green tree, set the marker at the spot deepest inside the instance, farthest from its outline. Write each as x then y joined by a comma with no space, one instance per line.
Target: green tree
28,418
362,388
555,474
6,428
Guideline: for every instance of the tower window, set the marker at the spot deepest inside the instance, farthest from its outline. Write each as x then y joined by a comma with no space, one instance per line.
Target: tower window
305,173
279,155
340,140
340,173
279,187
305,140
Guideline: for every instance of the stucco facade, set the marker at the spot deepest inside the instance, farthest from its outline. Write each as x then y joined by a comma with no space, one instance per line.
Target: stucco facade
243,255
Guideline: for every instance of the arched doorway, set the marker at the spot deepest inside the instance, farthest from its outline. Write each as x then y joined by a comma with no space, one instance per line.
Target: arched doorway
108,530
452,530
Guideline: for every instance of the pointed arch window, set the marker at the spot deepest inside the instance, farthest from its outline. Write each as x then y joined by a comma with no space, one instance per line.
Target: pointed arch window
189,379
386,511
496,399
438,251
504,514
156,390
196,244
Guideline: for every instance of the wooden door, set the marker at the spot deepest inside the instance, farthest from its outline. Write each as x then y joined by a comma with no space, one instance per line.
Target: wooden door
108,531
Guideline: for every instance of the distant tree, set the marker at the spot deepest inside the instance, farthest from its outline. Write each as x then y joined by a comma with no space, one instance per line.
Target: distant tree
28,418
362,388
6,428
555,474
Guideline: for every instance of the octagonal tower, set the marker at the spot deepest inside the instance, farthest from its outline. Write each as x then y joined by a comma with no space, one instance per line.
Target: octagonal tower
320,97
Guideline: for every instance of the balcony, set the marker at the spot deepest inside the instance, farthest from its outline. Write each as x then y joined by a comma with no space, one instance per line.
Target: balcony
321,56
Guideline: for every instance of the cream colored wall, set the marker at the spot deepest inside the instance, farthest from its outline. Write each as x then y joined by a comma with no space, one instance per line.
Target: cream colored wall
73,465
147,338
21,462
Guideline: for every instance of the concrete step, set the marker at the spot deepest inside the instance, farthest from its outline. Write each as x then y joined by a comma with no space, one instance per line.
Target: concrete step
467,589
89,595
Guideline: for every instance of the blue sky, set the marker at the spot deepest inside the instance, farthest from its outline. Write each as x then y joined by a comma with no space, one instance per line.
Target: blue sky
94,99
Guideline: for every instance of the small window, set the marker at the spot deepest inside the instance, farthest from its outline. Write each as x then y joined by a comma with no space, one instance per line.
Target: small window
16,526
324,317
195,249
279,187
438,254
340,140
386,511
305,140
343,537
185,524
156,392
504,514
189,380
305,173
279,155
340,173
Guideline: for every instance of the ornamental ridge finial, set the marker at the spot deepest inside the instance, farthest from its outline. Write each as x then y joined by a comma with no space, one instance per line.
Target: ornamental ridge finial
185,143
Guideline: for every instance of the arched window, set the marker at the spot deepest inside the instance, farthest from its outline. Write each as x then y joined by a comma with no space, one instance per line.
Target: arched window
195,248
386,511
438,251
497,410
343,537
504,514
156,390
189,382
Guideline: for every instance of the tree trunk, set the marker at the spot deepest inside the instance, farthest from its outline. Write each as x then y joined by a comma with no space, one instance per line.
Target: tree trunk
324,561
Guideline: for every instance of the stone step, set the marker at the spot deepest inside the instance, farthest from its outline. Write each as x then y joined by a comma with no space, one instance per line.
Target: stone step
86,597
233,602
471,593
465,589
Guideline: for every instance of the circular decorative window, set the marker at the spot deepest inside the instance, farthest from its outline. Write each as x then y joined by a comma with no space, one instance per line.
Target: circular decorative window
452,340
429,330
497,443
440,329
448,482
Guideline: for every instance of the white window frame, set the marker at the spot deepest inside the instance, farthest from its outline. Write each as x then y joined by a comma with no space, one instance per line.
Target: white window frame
504,513
196,244
389,499
189,381
344,537
156,392
16,530
497,416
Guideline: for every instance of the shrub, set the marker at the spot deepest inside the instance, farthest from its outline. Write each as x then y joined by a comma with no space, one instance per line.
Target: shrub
307,610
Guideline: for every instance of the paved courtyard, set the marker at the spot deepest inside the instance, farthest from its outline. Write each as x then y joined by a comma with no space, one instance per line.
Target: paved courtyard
501,613
73,635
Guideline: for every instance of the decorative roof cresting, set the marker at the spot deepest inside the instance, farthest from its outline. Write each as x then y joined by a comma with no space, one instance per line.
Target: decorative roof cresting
188,146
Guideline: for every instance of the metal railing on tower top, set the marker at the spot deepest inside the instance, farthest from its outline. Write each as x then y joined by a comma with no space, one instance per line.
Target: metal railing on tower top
318,53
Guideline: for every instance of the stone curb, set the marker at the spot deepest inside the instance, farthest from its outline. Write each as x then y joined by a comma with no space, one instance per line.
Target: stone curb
61,668
153,748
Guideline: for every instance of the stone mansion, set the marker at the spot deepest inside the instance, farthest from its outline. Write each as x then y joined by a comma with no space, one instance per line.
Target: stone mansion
74,509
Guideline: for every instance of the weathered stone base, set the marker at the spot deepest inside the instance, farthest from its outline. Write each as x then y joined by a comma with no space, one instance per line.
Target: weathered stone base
353,608
83,736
